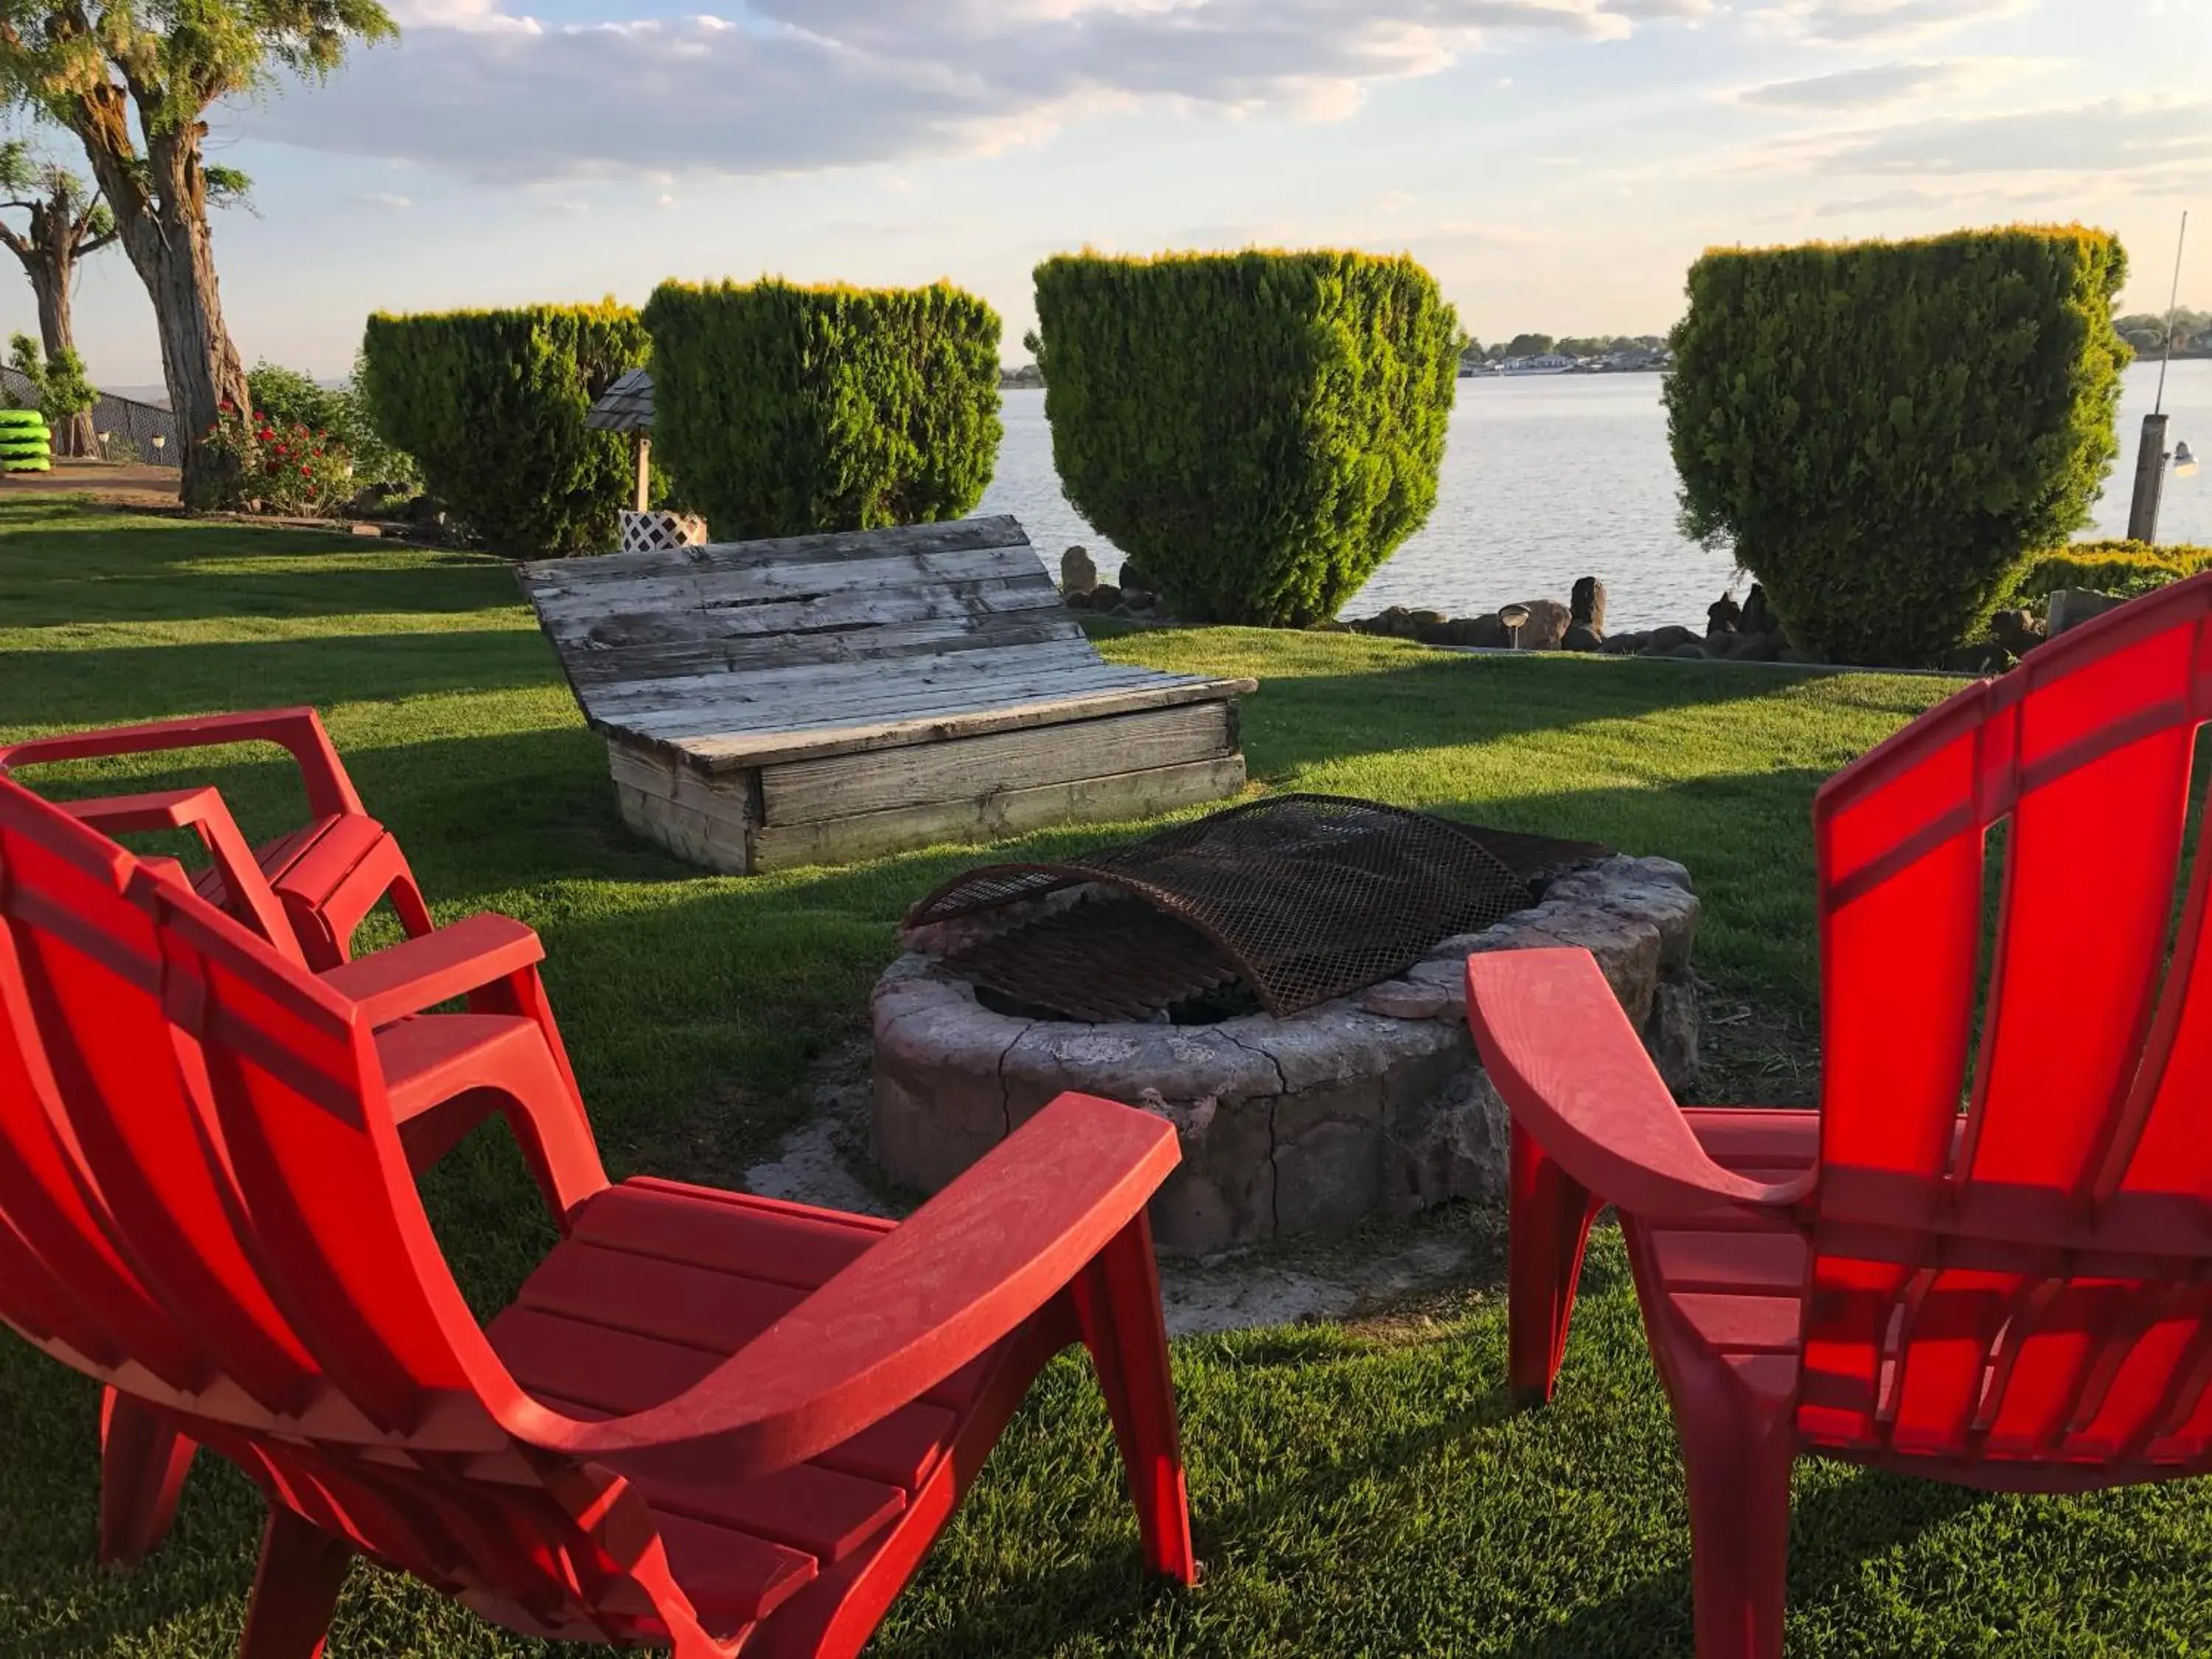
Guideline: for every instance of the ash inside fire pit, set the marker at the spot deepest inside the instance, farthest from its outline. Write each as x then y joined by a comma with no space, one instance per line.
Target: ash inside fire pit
1284,982
1281,905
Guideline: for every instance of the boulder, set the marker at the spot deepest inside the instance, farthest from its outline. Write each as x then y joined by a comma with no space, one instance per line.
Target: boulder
1137,599
1076,601
1758,617
1486,631
1547,624
1078,574
1661,642
1135,576
2072,606
1693,652
1581,636
1725,616
1751,648
1623,645
1105,596
1586,602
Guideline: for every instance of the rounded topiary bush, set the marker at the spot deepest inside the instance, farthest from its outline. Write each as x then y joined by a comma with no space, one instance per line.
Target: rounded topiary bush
782,411
1885,432
1258,430
491,405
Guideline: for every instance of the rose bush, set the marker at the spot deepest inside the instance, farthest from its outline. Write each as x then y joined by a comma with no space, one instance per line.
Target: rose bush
284,467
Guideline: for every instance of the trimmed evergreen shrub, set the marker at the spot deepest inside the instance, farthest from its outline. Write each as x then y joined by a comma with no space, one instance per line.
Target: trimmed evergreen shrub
782,410
2122,567
1885,431
1259,430
491,405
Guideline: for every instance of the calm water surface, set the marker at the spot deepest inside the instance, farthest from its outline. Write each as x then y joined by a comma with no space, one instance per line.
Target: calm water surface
1550,478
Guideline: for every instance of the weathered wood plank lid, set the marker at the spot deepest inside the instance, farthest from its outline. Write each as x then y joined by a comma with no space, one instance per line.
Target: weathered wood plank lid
736,653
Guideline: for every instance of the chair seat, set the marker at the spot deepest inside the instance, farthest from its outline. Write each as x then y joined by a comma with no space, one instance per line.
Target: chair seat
657,1283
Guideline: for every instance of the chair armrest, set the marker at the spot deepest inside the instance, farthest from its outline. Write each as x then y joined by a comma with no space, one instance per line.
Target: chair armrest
1576,1076
966,1269
420,972
329,792
202,811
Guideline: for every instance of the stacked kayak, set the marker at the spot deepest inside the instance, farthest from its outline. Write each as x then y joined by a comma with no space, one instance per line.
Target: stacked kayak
25,444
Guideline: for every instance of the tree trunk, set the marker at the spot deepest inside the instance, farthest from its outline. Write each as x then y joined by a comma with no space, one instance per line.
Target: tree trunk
161,217
75,436
199,364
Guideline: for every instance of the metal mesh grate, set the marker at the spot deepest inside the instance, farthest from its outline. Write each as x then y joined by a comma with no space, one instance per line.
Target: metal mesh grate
1302,899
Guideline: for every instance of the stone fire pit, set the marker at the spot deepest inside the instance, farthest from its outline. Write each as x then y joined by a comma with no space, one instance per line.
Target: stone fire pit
1375,1104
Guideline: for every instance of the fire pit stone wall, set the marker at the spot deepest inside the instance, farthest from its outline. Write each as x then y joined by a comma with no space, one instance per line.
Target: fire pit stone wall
1375,1104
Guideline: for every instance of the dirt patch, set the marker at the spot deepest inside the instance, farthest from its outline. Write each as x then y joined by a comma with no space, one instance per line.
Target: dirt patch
1755,1052
134,485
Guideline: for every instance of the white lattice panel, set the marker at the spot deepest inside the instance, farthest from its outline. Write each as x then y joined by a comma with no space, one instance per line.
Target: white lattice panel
651,532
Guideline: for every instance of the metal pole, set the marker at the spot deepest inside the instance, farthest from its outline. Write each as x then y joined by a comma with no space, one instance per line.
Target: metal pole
2151,456
644,473
2151,481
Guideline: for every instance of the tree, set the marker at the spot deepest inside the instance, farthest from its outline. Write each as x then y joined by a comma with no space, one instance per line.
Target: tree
133,81
59,391
1529,345
68,222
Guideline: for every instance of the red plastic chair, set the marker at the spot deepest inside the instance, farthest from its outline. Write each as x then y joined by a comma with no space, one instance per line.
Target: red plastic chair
327,875
306,893
707,1420
2013,1297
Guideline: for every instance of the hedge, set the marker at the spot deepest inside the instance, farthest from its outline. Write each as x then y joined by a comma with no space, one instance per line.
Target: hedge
1885,431
1258,431
491,405
2124,568
782,410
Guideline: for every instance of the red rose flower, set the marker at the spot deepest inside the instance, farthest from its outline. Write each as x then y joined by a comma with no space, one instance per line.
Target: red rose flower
305,470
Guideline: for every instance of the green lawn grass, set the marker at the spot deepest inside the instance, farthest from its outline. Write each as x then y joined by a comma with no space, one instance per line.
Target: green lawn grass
1358,1490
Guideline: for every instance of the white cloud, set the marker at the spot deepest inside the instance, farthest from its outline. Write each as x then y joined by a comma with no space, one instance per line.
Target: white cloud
385,198
2118,135
1878,23
1863,89
796,85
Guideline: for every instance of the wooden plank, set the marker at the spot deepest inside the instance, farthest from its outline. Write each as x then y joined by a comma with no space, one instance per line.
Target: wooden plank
596,672
808,792
980,596
952,535
1126,796
565,607
704,704
689,835
858,706
738,749
729,800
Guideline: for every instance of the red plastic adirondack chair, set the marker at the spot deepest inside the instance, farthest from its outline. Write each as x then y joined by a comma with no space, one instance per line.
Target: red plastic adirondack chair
707,1421
326,876
306,893
2014,1297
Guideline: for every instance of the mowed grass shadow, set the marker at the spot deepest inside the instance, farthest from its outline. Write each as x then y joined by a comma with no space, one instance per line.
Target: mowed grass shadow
64,564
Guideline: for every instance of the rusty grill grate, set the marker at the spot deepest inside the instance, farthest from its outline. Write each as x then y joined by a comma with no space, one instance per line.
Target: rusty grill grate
1300,898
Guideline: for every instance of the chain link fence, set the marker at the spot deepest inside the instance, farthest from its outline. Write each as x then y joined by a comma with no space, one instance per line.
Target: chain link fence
119,422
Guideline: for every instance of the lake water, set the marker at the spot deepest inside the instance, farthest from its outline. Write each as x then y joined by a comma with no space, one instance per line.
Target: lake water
1549,478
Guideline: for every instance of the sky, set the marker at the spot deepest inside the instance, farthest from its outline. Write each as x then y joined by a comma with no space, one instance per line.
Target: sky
1556,163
